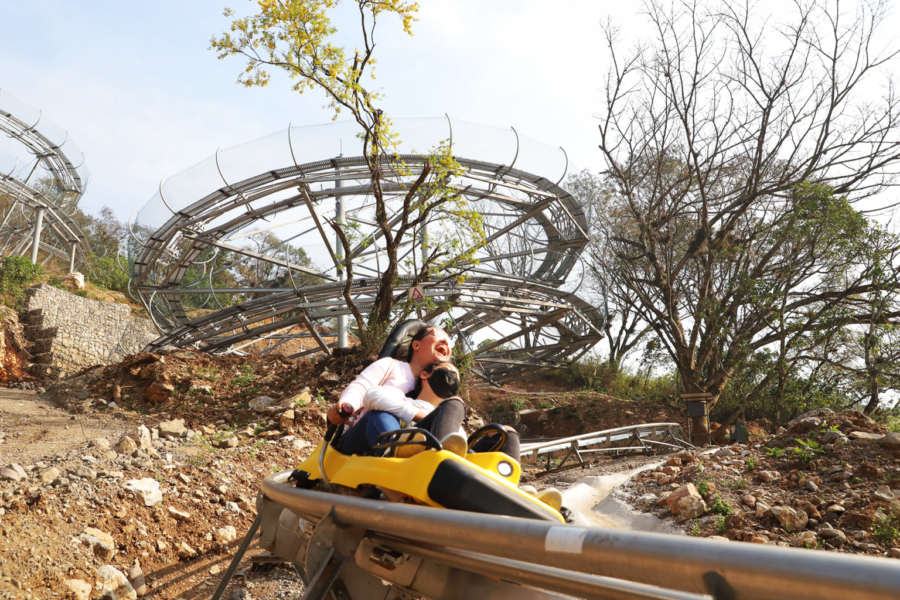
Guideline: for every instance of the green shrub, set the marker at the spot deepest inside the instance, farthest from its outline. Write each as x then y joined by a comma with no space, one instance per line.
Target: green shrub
887,526
16,272
105,273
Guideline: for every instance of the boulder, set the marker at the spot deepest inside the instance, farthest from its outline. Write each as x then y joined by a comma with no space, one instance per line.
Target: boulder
691,507
125,445
808,539
762,510
230,442
86,473
791,519
749,500
22,473
725,453
113,585
891,441
835,537
147,489
101,544
172,429
74,281
261,403
767,475
673,462
101,443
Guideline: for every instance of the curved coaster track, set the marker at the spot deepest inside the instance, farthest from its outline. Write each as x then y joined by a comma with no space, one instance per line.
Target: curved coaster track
278,195
39,195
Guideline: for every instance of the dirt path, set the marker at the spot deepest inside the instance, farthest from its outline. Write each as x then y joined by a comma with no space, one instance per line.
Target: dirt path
32,428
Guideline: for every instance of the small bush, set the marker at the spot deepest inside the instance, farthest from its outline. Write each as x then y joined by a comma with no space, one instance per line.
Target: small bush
104,272
16,272
718,507
887,526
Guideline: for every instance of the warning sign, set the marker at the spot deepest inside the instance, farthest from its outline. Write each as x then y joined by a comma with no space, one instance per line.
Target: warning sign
416,293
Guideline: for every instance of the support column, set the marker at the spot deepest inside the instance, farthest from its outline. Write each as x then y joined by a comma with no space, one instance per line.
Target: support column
36,240
343,339
72,259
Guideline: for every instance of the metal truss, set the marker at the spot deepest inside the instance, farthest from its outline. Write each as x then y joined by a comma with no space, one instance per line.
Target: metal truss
509,293
40,211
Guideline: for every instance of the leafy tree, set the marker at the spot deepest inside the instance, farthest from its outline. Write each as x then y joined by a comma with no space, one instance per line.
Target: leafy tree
735,149
296,36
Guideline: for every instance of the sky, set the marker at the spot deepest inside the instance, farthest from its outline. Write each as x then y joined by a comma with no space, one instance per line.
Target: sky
139,91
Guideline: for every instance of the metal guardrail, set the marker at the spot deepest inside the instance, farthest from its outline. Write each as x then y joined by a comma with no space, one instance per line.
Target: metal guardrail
365,549
648,437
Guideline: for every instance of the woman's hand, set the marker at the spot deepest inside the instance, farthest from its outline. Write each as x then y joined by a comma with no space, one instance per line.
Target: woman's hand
419,416
334,415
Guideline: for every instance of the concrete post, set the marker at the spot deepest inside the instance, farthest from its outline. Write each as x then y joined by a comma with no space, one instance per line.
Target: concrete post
72,259
343,340
36,241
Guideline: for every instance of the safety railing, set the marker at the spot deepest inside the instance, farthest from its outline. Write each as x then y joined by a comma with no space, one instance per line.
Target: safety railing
648,437
358,548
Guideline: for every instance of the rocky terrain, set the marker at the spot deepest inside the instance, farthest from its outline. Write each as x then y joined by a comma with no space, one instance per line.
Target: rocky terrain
829,482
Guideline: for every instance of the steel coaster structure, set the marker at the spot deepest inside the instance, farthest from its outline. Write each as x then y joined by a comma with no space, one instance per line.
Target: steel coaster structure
510,299
644,438
41,192
351,548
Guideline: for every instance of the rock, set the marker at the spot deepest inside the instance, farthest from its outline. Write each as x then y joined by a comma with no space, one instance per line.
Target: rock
240,595
48,476
808,539
893,552
734,521
214,570
172,429
74,281
126,445
261,403
226,534
890,441
136,579
762,509
758,539
808,424
748,500
691,507
185,479
147,489
808,507
185,551
144,440
831,437
767,475
80,589
22,473
300,445
112,584
179,515
287,419
230,442
672,462
865,436
671,470
159,393
201,388
663,499
836,537
725,453
102,544
682,492
883,494
791,519
161,546
7,474
233,507
811,486
101,443
86,473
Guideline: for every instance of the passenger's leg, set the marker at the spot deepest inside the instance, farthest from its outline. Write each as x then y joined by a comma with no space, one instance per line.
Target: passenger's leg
446,418
510,448
360,438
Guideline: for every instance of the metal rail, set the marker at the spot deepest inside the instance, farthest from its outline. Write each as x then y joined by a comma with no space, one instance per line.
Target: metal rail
348,538
534,233
647,437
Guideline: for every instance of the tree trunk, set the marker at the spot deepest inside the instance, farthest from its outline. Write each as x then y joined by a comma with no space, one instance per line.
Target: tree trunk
873,397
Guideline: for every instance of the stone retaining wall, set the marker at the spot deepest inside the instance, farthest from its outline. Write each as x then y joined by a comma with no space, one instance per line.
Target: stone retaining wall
70,332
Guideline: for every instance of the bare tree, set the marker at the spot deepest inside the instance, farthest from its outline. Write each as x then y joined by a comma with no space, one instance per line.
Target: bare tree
735,148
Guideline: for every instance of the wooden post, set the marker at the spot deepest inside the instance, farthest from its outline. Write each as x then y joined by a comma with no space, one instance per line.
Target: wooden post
698,414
